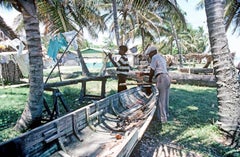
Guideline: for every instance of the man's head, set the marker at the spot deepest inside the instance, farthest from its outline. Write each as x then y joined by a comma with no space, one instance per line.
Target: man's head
151,50
123,49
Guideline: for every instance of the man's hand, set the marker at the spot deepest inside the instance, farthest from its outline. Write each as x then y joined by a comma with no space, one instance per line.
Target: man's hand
139,73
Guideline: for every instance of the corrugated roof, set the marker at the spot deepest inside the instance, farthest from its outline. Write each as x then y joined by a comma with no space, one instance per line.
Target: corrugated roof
91,50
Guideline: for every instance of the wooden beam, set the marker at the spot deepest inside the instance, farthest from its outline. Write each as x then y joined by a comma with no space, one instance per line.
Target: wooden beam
194,79
75,81
197,70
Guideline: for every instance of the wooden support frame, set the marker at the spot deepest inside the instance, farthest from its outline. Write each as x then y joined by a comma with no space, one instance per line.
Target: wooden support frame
83,96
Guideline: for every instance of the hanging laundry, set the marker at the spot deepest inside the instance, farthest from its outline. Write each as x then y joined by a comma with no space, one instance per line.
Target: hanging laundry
55,45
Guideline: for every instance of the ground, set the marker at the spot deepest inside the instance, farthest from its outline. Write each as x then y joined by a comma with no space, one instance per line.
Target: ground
153,145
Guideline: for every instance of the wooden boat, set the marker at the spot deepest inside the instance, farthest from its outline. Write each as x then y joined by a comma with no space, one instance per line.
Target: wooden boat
111,126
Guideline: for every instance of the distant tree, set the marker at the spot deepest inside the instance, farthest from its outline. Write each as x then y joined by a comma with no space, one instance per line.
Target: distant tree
193,40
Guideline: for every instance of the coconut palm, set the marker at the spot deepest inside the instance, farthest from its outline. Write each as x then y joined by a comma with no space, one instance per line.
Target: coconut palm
232,14
115,19
62,16
32,113
142,19
225,72
193,40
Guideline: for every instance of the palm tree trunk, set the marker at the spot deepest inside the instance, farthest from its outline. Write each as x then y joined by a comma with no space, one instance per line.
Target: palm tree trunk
115,21
225,72
32,113
177,42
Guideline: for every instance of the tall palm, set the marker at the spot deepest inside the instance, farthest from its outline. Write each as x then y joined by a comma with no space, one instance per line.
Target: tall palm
225,72
176,39
141,19
32,113
232,14
193,40
115,20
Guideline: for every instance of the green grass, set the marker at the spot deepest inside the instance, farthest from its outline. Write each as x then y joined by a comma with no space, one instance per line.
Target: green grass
193,115
12,104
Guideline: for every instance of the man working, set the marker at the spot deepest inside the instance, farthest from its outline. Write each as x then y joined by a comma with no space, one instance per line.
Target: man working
123,67
159,71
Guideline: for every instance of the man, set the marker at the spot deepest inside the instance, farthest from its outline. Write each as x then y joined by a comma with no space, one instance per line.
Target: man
123,67
159,71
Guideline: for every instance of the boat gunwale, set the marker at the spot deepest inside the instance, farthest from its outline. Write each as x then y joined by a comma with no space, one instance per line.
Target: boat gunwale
73,116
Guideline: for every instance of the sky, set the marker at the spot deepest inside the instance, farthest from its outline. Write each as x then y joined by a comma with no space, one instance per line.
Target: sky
198,18
195,17
8,15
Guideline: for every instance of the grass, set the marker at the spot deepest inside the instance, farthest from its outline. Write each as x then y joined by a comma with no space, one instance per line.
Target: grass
193,113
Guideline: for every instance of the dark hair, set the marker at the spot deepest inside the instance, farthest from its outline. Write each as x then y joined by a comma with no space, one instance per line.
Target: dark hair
124,48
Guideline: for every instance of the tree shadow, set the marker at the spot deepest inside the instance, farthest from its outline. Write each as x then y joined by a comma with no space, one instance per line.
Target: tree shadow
193,114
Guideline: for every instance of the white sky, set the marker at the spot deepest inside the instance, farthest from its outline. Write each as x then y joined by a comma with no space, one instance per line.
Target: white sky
195,17
8,15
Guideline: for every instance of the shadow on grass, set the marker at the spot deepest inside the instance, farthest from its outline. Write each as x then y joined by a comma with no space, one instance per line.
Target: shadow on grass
191,125
8,118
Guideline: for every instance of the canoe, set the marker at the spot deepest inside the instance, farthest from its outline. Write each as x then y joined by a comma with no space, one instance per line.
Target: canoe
111,126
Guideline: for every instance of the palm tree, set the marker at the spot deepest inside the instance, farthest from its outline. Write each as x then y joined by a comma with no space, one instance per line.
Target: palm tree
62,16
232,14
225,72
32,113
193,40
142,19
54,16
115,19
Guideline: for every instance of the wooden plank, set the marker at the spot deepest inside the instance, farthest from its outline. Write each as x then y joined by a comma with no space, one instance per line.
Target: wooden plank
75,81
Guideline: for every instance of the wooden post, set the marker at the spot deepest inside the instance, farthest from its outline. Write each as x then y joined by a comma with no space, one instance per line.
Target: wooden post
83,91
103,89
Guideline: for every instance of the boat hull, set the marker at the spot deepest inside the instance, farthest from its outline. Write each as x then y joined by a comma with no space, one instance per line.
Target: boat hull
109,127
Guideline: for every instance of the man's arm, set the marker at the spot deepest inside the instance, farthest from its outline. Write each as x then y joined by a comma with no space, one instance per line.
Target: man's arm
111,59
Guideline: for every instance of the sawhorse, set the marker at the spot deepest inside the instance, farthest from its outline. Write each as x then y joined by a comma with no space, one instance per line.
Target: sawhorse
55,113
